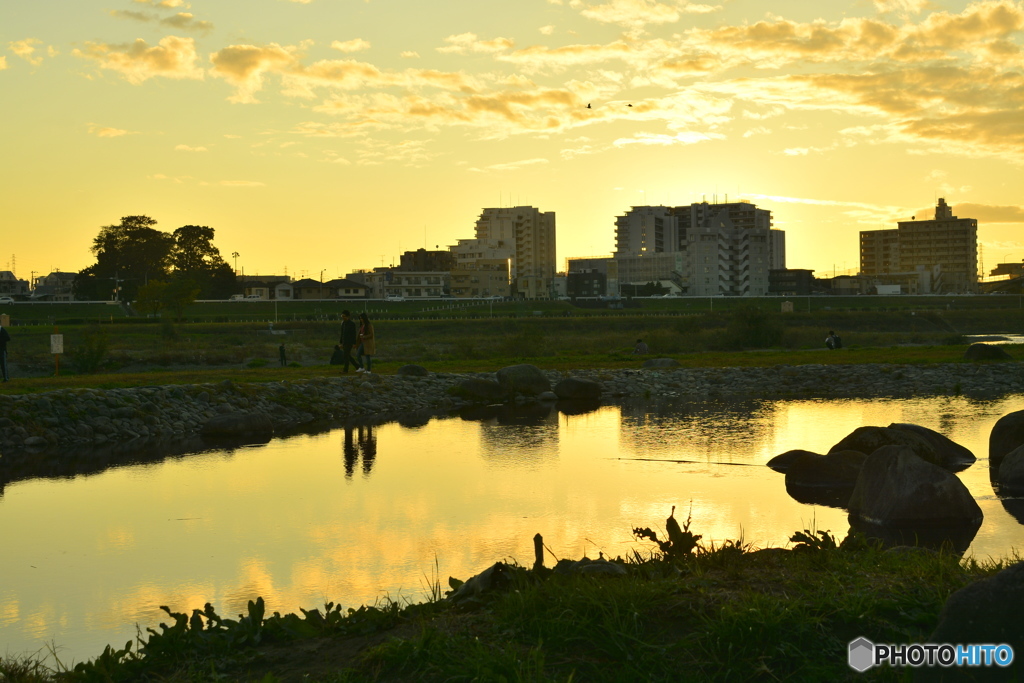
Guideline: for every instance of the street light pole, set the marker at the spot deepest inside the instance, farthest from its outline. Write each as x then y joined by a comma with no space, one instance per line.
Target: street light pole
235,255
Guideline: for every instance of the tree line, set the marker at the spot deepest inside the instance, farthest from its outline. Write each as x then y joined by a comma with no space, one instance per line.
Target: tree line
156,270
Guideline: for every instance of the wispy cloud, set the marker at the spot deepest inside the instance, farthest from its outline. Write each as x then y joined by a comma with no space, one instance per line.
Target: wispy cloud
510,166
173,57
465,43
354,45
187,148
3,63
108,132
26,49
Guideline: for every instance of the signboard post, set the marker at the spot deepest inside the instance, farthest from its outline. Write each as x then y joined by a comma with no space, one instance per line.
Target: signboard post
56,348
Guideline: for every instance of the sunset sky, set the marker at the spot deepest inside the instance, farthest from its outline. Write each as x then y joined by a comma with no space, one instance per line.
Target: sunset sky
330,135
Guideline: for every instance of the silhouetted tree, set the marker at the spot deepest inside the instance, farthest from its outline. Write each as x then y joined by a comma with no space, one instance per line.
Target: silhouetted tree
128,255
194,258
132,254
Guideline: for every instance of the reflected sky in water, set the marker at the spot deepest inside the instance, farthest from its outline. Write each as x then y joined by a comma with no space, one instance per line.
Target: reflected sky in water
356,514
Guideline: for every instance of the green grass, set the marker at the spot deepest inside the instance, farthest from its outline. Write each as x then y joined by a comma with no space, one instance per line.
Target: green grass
722,614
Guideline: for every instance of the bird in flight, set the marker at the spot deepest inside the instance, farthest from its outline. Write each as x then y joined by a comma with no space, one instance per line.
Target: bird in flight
588,105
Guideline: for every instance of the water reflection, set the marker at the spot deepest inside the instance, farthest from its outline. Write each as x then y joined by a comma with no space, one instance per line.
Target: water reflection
87,557
956,538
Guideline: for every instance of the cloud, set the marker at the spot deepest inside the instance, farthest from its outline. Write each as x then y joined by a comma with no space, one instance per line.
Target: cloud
241,183
185,21
409,54
245,65
26,50
466,43
186,148
173,57
354,45
3,63
510,166
107,132
163,4
987,213
547,30
638,13
683,138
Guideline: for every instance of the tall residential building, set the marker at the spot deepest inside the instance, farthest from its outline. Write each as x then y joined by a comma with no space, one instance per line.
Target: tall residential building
531,235
481,268
941,252
704,249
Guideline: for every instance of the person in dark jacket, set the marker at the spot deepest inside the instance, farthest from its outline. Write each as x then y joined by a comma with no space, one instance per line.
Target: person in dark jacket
348,340
4,338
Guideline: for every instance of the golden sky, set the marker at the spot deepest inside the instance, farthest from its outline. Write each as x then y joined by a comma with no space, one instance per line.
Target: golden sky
335,134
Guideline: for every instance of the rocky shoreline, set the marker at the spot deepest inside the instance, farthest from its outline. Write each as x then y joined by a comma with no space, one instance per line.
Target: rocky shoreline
89,418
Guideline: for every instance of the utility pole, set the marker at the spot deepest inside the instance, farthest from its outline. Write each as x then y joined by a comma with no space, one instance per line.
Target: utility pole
235,254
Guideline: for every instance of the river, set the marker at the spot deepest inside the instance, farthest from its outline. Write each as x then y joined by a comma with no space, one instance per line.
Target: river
354,515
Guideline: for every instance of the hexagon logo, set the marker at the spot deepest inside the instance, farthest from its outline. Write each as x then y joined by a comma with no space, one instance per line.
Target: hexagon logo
862,655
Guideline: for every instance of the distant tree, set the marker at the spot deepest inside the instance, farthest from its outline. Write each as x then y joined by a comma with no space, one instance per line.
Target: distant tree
158,296
128,256
133,254
194,258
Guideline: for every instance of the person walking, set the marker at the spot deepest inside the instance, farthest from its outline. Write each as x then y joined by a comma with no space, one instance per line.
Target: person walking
349,337
367,344
4,338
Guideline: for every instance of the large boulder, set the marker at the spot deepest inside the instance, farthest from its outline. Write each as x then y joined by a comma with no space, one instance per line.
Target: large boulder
950,454
782,462
1010,473
233,425
660,363
574,387
524,379
870,439
1007,433
478,389
895,487
986,611
412,371
986,352
834,470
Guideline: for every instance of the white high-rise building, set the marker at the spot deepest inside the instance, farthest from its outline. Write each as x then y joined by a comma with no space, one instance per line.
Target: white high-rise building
530,233
703,249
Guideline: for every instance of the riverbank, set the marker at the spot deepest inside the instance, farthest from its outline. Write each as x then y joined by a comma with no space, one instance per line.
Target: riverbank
708,614
86,418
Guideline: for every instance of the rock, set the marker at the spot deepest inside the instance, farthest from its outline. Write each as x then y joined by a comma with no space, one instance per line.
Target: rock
412,371
834,470
1007,433
496,577
950,454
574,387
1010,473
587,566
986,352
660,363
986,611
35,442
235,424
870,439
479,389
547,396
897,488
523,379
781,463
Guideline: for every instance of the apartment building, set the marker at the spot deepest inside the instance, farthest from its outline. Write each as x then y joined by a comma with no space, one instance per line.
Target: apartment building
940,254
703,249
481,268
530,234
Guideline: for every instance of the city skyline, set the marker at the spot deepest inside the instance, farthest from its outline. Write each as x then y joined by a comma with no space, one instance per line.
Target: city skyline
325,135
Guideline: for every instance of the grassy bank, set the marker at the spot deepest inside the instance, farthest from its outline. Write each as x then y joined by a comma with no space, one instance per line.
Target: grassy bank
718,613
172,352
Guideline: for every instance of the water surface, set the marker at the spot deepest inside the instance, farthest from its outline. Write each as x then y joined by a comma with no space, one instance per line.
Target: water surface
355,514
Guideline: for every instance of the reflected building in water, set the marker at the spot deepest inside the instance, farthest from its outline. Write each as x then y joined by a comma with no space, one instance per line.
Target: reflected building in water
721,432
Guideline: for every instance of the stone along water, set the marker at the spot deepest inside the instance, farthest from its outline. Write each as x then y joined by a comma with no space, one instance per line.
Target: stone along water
353,515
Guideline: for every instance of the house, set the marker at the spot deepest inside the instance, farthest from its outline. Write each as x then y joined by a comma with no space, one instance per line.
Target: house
56,286
11,286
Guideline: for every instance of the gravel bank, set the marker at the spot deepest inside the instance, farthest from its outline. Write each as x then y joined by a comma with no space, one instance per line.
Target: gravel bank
77,418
